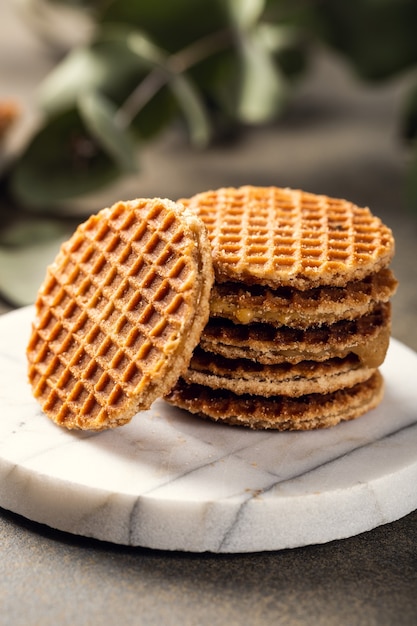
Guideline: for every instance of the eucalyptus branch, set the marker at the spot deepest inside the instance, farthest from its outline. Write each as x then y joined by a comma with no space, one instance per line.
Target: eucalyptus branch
200,50
140,96
177,63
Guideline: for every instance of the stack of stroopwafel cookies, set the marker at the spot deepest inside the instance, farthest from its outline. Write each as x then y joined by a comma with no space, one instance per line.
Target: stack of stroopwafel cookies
299,314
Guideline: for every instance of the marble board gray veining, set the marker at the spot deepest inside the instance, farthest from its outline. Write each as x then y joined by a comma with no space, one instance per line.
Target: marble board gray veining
171,481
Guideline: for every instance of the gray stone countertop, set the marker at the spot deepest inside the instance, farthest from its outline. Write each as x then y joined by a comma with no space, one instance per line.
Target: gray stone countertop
341,138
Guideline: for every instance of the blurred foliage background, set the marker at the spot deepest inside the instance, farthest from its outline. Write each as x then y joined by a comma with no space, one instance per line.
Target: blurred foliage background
126,70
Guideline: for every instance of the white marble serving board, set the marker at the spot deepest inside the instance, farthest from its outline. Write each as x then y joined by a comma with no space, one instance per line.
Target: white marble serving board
171,481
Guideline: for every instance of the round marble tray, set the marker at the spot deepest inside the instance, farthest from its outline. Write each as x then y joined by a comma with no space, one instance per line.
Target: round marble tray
171,481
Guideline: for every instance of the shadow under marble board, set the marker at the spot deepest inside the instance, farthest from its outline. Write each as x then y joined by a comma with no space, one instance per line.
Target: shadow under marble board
171,481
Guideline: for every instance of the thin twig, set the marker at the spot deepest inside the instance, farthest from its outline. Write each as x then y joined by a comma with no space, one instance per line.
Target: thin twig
159,76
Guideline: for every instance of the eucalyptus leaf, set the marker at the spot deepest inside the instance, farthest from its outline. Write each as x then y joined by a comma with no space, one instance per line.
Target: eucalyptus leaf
263,89
276,37
108,66
144,48
99,115
61,162
287,45
193,109
22,269
29,230
245,13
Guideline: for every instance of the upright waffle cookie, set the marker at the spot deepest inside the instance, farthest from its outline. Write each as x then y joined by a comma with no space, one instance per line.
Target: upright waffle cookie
300,313
119,313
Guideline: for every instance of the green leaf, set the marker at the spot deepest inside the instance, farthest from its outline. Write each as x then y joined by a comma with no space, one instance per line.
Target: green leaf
287,46
61,162
277,37
28,247
145,49
108,66
263,90
245,13
99,115
27,230
193,109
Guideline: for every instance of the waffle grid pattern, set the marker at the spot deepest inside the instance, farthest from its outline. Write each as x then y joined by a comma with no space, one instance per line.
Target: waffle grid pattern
284,236
111,309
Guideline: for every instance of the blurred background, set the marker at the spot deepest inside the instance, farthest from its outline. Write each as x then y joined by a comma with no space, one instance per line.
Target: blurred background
102,100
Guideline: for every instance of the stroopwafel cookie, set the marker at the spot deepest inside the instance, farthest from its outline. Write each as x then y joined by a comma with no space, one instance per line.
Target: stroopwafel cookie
119,313
284,237
243,376
282,412
286,306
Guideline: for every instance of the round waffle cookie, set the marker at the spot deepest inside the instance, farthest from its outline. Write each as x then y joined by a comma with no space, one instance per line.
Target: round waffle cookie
280,412
119,313
283,237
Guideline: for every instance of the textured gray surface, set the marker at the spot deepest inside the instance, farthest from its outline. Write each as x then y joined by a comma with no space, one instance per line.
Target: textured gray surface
50,578
340,138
